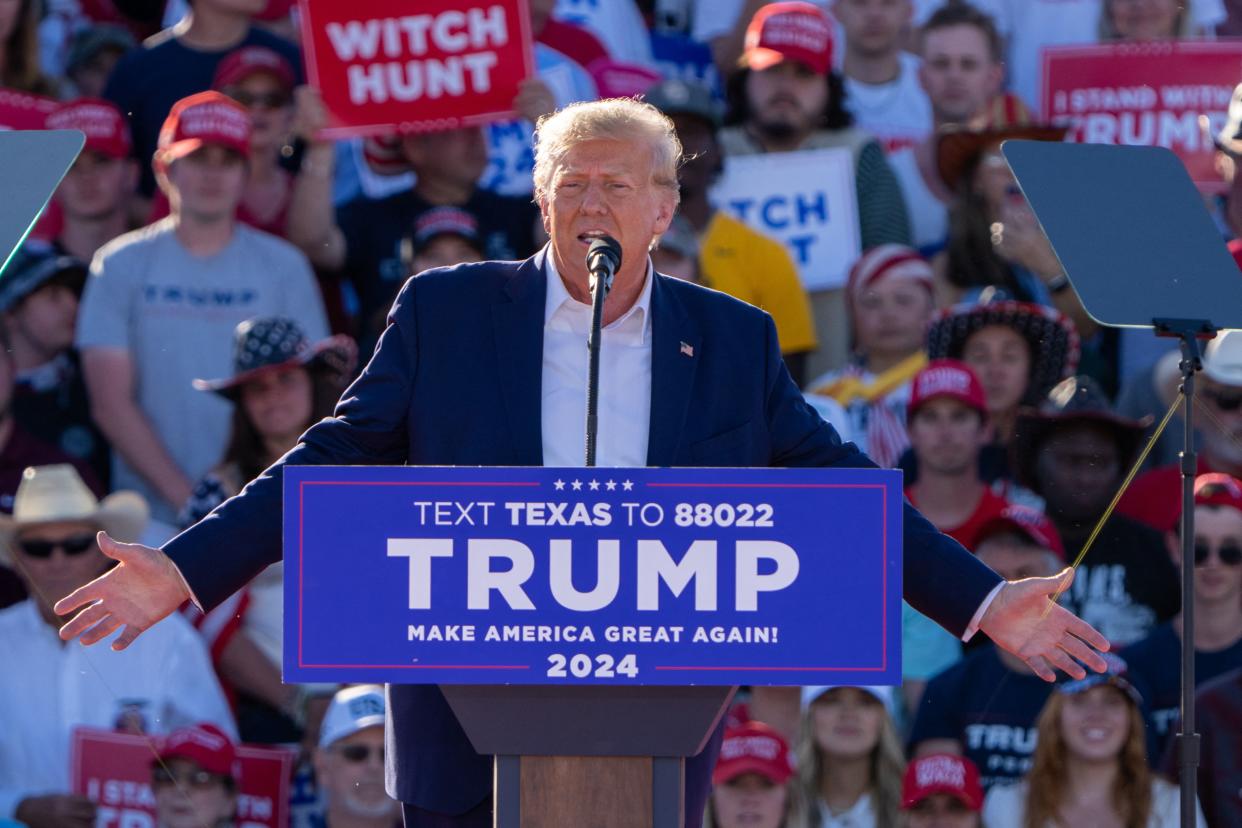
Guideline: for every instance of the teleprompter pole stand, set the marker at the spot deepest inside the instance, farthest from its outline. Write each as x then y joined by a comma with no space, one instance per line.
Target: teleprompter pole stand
1136,241
1189,332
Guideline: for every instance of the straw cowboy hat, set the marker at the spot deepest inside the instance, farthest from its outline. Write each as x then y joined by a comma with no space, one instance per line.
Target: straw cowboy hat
51,494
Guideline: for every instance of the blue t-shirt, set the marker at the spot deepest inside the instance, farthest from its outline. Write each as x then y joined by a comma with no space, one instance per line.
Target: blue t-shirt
1155,668
148,81
987,707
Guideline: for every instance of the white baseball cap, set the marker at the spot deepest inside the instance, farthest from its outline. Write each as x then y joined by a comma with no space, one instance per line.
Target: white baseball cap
884,695
352,709
1222,359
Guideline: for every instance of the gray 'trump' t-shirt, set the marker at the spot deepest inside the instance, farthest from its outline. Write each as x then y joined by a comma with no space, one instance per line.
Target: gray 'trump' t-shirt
175,314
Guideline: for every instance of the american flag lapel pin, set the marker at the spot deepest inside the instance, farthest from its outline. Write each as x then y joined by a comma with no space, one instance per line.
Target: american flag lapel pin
687,349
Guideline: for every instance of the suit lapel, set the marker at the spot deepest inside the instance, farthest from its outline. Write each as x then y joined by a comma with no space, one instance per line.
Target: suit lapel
518,326
676,348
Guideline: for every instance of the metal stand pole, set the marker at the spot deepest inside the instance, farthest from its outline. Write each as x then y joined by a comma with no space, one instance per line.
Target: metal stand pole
1189,331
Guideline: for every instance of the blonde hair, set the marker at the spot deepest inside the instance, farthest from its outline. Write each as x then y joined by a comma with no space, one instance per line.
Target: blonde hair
1049,777
611,119
887,765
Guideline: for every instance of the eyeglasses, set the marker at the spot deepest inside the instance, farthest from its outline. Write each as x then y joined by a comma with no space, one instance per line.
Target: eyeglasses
198,780
1229,552
1223,400
359,753
261,100
43,549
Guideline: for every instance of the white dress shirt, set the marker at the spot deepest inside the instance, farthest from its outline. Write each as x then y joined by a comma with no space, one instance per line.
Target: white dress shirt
49,687
624,379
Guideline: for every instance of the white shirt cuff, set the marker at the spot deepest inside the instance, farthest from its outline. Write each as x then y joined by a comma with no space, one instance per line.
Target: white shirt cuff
979,613
199,603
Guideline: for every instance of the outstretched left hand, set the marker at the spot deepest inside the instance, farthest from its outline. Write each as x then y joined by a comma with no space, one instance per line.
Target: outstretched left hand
1024,620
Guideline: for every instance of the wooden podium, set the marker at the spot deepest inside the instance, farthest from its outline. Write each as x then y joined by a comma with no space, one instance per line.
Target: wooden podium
590,757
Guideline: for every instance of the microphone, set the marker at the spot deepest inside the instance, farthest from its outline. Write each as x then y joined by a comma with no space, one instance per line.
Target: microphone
602,260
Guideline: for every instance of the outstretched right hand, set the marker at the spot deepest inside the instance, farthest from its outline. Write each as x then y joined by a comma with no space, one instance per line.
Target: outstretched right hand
142,589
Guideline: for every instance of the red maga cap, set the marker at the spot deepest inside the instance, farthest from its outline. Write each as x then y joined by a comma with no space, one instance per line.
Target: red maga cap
1218,490
202,119
789,31
942,773
205,745
1027,522
240,64
947,378
753,748
105,127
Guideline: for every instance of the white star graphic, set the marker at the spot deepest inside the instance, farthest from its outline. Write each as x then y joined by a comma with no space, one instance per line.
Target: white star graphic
559,484
611,485
627,485
595,485
577,484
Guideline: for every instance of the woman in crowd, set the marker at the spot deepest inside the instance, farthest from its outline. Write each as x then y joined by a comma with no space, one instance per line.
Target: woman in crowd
194,779
281,385
889,296
754,784
851,761
1090,764
19,49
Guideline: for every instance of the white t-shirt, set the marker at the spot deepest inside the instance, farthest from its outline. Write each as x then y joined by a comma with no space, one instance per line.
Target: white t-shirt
929,216
862,815
48,687
175,314
618,24
1005,806
898,112
1032,25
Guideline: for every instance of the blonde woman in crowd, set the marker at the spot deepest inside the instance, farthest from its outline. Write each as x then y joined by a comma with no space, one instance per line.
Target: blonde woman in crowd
850,761
1090,765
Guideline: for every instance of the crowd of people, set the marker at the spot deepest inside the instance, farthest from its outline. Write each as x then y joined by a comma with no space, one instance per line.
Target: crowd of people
211,274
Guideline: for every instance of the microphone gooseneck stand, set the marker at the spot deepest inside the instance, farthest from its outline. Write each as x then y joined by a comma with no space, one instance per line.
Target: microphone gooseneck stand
603,259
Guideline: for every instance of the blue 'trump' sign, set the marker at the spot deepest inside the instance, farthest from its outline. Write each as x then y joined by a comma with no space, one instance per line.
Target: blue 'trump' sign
592,575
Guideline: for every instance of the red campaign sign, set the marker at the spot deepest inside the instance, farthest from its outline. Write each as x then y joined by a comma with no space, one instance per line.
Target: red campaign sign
113,770
19,110
1145,94
387,65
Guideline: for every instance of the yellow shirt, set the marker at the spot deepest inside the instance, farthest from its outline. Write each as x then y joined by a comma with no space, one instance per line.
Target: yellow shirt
748,265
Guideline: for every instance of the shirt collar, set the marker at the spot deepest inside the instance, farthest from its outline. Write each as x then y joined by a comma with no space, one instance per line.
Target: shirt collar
559,303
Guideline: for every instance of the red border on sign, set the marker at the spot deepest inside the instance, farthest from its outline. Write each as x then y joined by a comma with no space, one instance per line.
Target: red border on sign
666,668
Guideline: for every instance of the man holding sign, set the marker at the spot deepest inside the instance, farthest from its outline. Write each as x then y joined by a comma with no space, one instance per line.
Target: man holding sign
796,168
682,367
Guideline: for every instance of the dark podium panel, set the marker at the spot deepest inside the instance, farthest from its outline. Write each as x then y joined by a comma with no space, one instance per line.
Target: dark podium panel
555,745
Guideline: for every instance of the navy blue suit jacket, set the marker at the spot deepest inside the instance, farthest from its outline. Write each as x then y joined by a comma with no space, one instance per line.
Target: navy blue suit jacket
456,379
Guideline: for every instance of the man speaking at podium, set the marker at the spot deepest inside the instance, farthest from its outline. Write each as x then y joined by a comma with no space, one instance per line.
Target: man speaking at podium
486,364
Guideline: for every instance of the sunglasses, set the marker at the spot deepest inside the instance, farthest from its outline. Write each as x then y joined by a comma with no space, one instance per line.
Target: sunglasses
1230,553
43,549
198,780
359,753
261,100
1225,402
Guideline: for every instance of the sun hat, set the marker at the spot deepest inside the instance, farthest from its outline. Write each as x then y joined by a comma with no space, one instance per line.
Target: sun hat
273,343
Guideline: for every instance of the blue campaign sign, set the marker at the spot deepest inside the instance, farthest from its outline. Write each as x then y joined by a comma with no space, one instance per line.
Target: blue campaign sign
592,576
